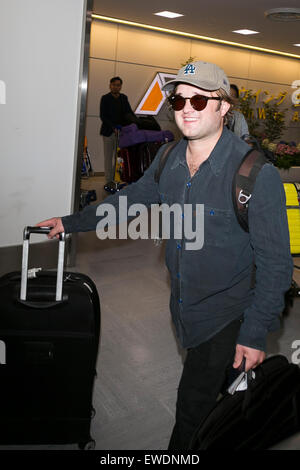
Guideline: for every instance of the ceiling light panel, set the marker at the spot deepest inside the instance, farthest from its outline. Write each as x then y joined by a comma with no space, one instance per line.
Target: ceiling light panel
193,36
245,31
283,14
168,14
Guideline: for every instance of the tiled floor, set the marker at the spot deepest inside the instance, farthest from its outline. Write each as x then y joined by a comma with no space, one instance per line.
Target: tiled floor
140,361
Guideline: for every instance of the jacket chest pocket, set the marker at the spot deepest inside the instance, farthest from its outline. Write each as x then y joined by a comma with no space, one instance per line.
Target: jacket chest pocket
216,226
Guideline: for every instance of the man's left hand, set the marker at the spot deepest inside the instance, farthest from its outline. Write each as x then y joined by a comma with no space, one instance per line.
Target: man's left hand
254,357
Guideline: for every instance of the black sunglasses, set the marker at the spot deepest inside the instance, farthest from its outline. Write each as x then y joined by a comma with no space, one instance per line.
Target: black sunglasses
198,102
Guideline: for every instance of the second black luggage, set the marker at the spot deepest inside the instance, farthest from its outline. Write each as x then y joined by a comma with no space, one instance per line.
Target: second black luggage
258,418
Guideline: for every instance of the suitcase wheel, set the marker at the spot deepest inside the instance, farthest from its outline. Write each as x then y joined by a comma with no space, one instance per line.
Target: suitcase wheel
90,445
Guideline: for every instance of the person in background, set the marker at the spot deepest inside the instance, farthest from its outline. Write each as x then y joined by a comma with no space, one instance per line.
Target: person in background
114,107
237,122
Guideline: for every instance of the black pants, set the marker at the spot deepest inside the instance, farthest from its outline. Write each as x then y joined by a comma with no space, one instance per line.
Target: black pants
202,378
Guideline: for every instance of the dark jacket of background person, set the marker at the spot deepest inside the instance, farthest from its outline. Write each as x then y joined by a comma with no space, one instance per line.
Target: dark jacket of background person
109,113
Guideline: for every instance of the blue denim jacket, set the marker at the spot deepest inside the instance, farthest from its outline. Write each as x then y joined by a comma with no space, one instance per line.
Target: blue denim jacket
211,286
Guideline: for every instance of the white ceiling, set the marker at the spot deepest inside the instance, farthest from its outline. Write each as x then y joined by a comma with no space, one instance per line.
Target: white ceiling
214,18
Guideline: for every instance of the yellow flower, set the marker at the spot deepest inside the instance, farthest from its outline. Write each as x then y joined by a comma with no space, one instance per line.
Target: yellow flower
265,142
272,147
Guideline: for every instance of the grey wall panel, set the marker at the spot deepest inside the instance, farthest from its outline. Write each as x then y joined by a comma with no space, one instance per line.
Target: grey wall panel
104,40
147,47
100,73
40,65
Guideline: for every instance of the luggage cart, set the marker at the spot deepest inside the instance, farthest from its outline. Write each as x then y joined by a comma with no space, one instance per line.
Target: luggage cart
86,169
90,195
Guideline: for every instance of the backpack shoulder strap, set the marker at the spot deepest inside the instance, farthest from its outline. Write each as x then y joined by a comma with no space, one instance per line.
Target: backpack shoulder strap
243,184
163,160
243,181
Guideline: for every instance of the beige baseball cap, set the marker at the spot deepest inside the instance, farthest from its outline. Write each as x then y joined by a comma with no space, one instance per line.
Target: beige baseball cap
202,75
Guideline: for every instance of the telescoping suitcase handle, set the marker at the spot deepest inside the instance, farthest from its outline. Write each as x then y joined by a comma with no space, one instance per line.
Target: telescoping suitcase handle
60,265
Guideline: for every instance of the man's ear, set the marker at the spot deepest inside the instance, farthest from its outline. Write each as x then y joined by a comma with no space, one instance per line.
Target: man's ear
225,106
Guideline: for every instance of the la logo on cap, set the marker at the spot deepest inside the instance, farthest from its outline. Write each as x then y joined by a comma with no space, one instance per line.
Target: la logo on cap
189,69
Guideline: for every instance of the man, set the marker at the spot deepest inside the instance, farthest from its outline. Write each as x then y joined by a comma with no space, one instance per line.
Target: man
218,317
114,109
237,122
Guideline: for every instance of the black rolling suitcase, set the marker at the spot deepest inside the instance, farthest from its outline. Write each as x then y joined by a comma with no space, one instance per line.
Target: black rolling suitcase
49,336
257,418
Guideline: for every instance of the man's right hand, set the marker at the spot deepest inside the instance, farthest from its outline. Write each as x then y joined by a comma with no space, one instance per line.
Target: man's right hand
55,223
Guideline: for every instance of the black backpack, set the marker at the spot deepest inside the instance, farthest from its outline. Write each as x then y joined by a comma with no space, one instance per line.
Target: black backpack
242,184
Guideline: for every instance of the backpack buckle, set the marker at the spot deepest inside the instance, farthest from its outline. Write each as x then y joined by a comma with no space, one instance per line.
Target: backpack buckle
243,198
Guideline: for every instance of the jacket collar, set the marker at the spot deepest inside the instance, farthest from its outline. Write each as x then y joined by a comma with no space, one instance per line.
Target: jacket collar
216,159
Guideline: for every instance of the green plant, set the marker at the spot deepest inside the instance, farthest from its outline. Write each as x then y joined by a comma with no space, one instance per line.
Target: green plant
286,154
246,106
274,124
